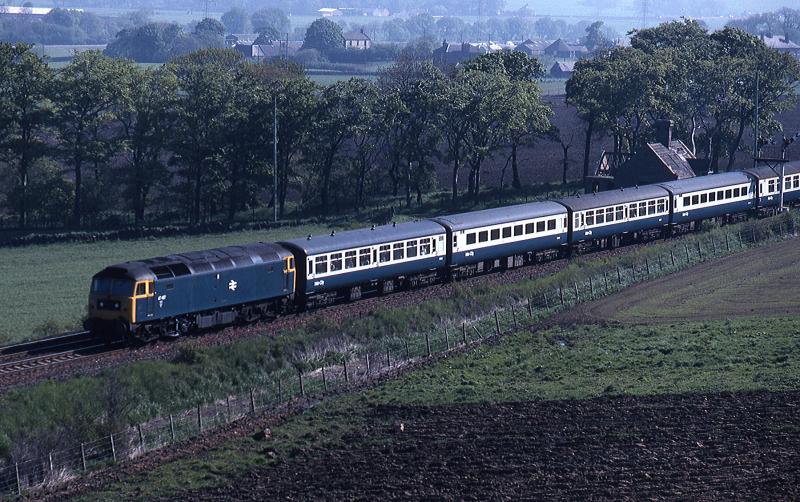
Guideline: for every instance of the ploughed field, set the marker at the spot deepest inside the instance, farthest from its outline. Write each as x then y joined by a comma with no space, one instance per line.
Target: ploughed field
763,282
699,447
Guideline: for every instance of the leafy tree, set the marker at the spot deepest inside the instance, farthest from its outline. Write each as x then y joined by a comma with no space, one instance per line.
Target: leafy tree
595,40
88,94
205,83
235,20
323,35
147,117
25,88
210,27
149,43
274,19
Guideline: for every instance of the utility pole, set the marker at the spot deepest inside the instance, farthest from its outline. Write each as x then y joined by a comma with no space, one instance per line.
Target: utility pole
755,128
275,158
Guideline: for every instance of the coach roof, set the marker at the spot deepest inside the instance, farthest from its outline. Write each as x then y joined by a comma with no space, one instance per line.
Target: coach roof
706,182
349,239
766,172
500,215
613,197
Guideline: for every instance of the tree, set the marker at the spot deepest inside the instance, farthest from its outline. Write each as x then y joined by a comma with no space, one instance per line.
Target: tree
595,40
210,27
25,88
323,35
205,82
88,94
147,118
235,20
149,43
274,19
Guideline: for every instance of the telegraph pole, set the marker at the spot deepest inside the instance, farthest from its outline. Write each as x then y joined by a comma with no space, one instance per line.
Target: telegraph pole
275,158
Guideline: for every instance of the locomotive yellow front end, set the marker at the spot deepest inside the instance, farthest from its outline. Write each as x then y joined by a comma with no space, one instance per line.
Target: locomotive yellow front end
112,302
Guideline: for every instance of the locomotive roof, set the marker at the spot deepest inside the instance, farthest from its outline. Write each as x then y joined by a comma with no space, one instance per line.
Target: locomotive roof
500,215
766,172
198,261
349,239
706,182
612,197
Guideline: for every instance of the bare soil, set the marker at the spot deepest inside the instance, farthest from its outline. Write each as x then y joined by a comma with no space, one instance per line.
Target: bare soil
689,447
761,282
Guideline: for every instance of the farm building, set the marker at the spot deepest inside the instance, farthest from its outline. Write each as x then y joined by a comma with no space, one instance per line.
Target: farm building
666,159
533,48
357,40
563,69
563,50
450,55
782,44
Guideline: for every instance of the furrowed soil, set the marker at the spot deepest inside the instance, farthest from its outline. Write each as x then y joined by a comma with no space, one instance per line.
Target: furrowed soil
696,447
761,282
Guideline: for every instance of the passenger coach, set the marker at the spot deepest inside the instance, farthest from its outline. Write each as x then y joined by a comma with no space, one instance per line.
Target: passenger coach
350,264
768,187
617,214
706,197
504,237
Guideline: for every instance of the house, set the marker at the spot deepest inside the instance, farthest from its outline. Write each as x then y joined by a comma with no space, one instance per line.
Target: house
450,55
563,50
235,39
27,11
329,12
782,45
269,50
666,159
533,48
562,69
357,40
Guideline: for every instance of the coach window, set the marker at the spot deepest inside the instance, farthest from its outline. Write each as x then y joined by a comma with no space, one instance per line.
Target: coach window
632,211
712,197
662,205
400,250
651,207
695,200
687,201
483,236
551,224
703,198
796,181
529,228
610,214
411,249
517,230
384,253
589,218
321,265
728,193
471,238
539,226
350,259
620,212
364,257
336,262
506,232
495,234
771,184
600,217
735,192
424,247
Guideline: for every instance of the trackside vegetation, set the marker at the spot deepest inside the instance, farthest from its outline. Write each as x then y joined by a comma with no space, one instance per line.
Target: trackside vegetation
54,415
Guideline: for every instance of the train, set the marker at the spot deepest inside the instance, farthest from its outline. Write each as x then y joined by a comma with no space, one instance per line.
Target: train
179,294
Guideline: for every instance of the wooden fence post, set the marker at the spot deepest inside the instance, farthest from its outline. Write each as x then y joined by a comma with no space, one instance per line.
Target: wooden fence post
496,323
252,401
647,266
605,280
346,375
83,456
141,436
50,461
619,276
408,352
514,316
713,245
727,242
324,380
113,449
546,303
172,427
199,420
699,250
561,295
530,309
591,287
19,485
686,248
672,256
366,357
228,406
427,344
633,270
660,266
577,294
464,331
388,360
302,387
446,338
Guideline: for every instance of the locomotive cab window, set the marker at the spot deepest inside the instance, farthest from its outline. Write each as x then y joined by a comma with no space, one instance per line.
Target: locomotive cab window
141,289
471,238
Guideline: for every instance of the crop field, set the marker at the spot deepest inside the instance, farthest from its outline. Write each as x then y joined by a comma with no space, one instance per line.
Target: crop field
46,287
701,410
764,282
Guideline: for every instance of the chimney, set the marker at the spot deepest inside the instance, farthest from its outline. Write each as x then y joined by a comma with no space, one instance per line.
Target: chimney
664,132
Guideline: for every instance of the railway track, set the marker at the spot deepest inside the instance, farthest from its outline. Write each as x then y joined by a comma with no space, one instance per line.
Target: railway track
46,352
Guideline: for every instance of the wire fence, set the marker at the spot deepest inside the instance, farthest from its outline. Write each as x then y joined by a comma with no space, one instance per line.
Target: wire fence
336,371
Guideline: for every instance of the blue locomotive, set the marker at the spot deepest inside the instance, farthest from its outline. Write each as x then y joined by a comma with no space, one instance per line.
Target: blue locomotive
182,293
